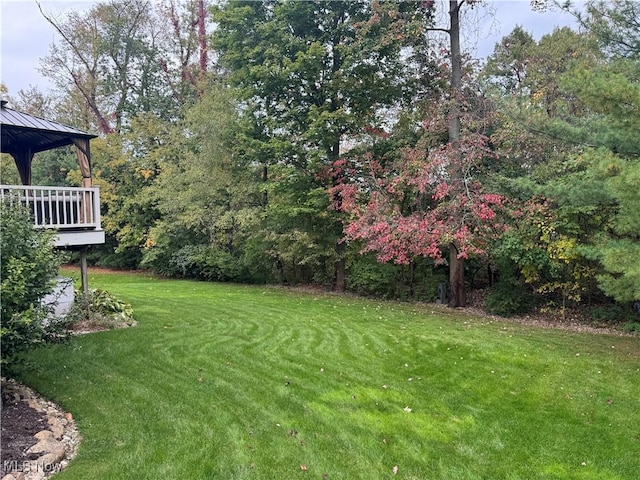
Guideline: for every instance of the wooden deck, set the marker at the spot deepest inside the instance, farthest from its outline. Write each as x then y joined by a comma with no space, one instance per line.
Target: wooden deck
73,212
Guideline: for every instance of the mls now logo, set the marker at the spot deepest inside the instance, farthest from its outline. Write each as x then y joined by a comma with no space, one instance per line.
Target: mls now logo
29,466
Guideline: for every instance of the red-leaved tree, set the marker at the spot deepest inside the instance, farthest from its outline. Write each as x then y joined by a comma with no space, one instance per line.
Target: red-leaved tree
429,202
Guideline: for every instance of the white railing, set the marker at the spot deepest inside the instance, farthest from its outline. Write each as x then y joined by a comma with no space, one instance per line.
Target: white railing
57,207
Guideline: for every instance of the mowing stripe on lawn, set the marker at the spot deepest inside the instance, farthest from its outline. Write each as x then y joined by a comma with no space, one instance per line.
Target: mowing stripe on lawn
229,381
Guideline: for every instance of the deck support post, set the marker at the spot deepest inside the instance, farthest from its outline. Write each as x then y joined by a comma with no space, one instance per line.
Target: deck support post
83,272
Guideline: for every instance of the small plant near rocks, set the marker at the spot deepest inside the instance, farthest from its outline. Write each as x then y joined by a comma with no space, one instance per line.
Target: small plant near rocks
99,310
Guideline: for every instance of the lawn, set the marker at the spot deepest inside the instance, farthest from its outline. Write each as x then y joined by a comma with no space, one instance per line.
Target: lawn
248,382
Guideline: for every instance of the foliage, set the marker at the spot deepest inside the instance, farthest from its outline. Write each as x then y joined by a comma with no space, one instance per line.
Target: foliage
207,194
429,198
100,308
418,280
28,269
509,297
127,167
614,24
614,314
330,128
120,59
208,263
573,149
338,68
618,249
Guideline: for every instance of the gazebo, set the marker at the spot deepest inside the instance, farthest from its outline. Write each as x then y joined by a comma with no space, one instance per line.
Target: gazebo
73,212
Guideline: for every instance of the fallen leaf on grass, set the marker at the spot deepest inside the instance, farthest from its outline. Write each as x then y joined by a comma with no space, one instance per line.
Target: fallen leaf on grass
303,467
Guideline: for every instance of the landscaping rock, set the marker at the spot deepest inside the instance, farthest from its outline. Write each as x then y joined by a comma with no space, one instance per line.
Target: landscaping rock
48,461
43,434
49,446
57,429
53,446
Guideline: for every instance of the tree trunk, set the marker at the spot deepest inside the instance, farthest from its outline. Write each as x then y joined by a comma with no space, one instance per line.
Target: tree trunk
340,267
456,265
458,297
202,39
265,192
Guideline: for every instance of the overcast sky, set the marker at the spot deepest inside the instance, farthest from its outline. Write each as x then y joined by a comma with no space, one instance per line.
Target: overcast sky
26,35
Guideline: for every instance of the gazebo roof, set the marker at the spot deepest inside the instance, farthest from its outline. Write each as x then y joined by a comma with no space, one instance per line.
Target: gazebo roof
21,131
23,135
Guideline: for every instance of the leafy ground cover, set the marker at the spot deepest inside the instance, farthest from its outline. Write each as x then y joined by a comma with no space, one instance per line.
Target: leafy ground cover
246,382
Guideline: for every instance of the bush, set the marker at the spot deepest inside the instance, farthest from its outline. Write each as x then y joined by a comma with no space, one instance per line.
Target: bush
28,267
620,314
367,277
99,309
208,263
509,297
632,327
419,281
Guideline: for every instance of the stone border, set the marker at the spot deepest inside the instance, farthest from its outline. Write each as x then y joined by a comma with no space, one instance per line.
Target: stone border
56,446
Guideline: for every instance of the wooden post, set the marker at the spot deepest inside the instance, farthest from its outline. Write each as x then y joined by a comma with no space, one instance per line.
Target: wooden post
83,271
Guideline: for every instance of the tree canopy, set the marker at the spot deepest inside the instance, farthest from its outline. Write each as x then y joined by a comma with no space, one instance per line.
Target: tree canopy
343,143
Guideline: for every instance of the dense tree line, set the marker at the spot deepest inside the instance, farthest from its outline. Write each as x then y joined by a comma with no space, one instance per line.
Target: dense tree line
348,144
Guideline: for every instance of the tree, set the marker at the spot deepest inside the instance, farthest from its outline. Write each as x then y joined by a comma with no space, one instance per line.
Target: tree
122,58
608,135
28,267
209,198
508,66
456,250
524,78
613,23
126,168
577,143
184,41
99,56
444,175
310,76
425,203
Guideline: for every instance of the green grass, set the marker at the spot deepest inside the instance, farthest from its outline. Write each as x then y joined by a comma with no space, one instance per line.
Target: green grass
236,382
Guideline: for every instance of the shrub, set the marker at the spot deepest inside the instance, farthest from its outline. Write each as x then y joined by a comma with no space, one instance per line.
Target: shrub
620,314
632,326
208,263
368,277
418,281
99,309
28,267
509,297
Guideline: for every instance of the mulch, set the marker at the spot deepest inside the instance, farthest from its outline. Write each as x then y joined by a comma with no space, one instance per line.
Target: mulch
19,423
